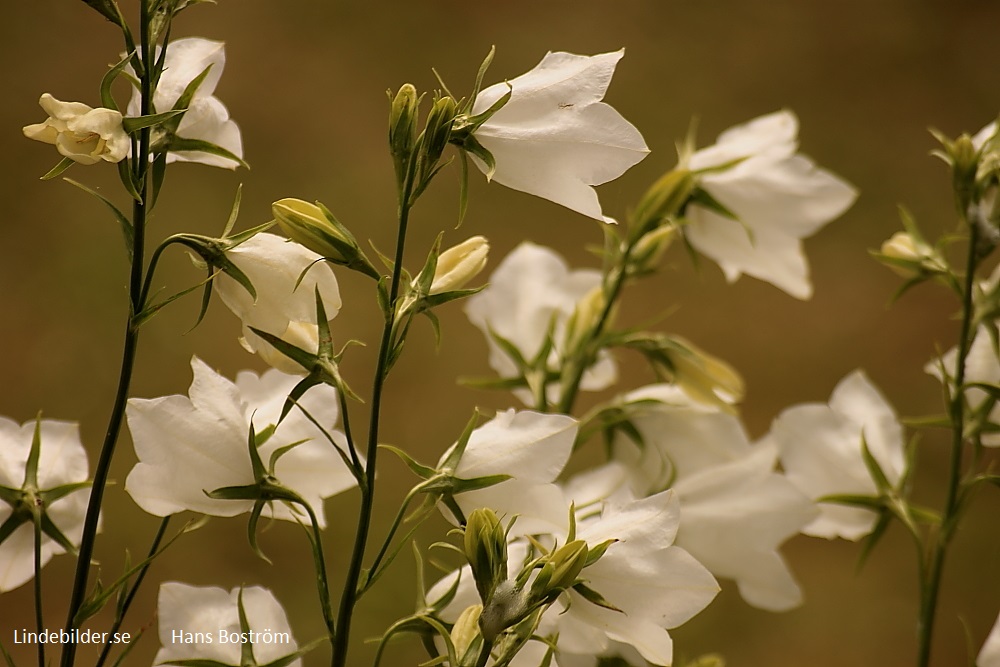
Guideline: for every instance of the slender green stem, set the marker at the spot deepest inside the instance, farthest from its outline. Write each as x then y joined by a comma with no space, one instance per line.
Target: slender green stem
396,522
350,594
130,596
140,165
484,654
323,583
949,519
345,418
613,284
39,618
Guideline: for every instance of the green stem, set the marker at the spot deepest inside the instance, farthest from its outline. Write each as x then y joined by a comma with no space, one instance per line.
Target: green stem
323,584
120,616
39,618
613,284
140,164
484,653
949,519
373,570
350,595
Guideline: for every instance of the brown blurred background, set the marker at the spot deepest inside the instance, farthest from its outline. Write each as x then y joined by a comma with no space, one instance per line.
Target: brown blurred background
306,81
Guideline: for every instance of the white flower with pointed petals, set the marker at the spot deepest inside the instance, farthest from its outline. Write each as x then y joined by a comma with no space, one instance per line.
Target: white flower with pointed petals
736,510
779,197
190,445
282,308
206,119
82,134
531,290
187,611
821,451
61,460
555,138
989,655
532,448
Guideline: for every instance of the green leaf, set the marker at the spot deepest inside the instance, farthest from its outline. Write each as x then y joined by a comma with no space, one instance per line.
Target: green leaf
6,656
258,507
175,144
125,175
593,597
133,124
874,469
884,519
418,469
234,212
159,172
107,99
128,233
853,500
148,312
62,166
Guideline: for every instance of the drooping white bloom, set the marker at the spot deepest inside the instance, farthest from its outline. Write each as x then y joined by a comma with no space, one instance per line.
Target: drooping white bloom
555,138
989,655
821,450
188,615
531,291
274,264
981,366
207,118
532,448
736,510
779,196
62,460
82,134
190,445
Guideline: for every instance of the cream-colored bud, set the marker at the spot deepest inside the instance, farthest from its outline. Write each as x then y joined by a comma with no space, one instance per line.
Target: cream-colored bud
651,247
466,629
459,264
663,199
705,378
307,225
586,316
910,257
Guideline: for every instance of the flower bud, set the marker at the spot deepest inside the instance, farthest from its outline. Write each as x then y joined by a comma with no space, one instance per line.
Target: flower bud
459,264
437,132
560,570
650,247
585,318
403,126
313,226
663,199
486,550
705,378
910,257
466,629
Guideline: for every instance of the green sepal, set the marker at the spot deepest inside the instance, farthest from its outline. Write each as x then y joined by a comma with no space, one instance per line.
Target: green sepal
31,465
873,538
472,145
418,469
593,597
281,451
187,96
125,176
133,124
463,187
854,500
106,8
455,454
435,300
478,85
420,624
62,166
158,170
595,553
56,535
292,657
107,99
874,469
258,508
494,383
175,144
246,648
148,312
456,485
128,232
49,496
12,523
8,660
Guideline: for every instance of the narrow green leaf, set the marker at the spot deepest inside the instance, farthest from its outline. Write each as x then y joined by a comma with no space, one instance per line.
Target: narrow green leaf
176,144
125,175
128,233
107,99
159,172
135,123
234,212
593,597
62,166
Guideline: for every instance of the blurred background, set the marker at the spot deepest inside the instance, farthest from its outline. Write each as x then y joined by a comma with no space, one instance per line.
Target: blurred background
306,81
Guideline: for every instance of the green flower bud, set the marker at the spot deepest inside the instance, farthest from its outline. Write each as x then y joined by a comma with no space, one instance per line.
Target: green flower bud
314,227
486,550
437,132
664,199
585,318
911,257
403,115
459,264
650,248
560,570
704,377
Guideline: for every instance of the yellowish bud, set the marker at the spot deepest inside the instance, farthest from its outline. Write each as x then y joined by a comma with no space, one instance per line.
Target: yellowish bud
466,629
910,257
307,225
459,264
663,199
651,247
705,378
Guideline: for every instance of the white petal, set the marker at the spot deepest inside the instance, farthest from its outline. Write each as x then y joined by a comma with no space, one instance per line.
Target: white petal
527,445
989,655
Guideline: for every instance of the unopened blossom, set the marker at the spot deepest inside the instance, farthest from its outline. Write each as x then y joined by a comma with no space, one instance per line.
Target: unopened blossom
981,367
820,446
736,510
190,445
206,118
459,264
189,615
989,655
284,307
554,137
531,293
532,448
81,133
62,460
778,196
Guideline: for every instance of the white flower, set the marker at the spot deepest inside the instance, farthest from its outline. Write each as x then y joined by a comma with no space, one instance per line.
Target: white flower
778,196
554,138
190,445
82,134
981,366
62,460
273,265
532,448
736,510
193,622
206,119
531,290
656,585
820,449
989,655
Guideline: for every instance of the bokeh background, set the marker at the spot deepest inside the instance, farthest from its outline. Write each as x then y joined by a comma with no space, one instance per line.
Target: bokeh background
306,81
